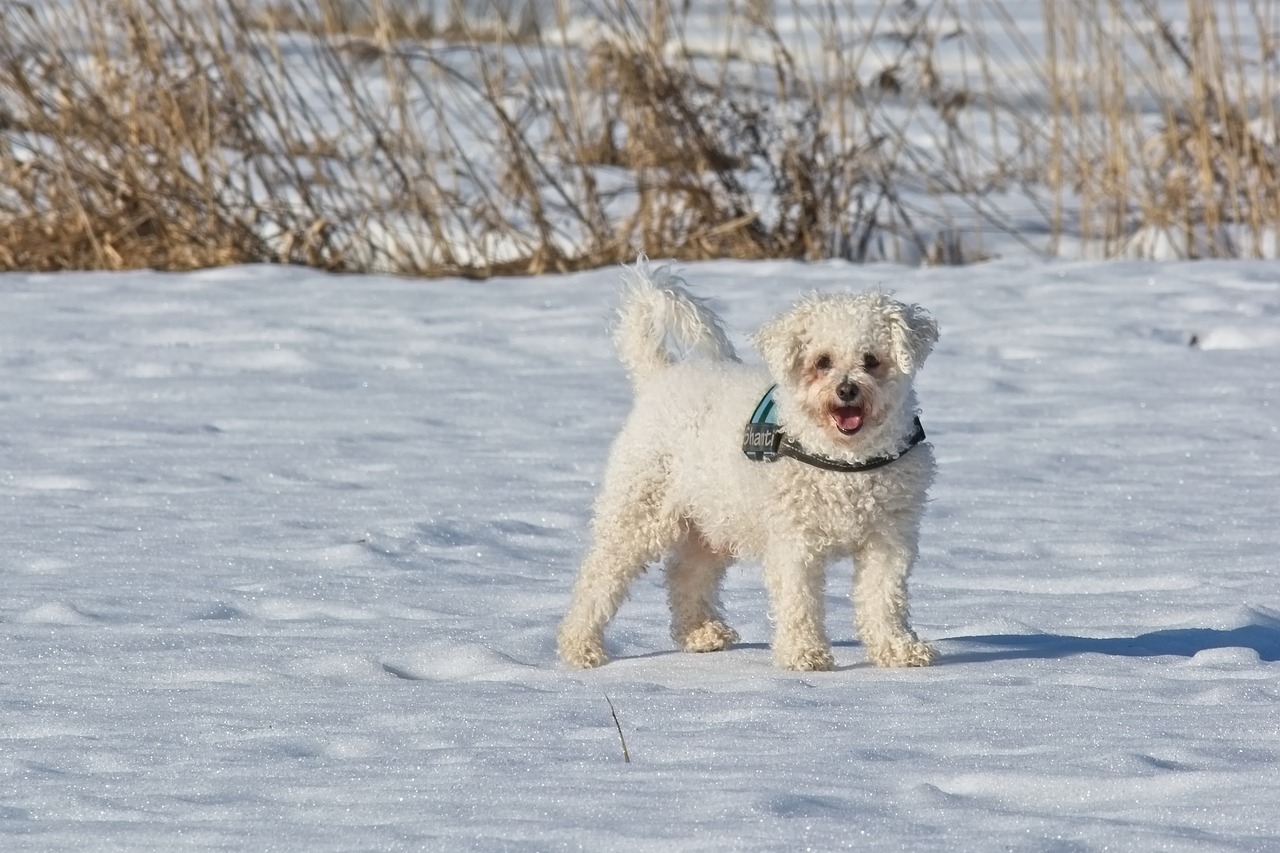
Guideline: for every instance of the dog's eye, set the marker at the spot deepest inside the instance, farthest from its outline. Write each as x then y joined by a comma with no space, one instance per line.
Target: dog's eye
823,362
870,362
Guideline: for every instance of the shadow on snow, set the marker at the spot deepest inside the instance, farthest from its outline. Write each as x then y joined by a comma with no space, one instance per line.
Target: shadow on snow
1178,642
1182,642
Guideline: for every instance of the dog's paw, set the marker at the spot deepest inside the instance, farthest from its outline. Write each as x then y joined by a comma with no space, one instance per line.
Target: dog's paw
583,657
908,651
808,660
713,636
581,653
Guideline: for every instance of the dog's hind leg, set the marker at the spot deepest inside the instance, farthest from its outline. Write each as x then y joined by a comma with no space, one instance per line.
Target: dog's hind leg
694,573
633,526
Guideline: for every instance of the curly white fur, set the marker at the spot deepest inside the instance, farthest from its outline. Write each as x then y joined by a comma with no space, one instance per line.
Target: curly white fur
656,309
678,484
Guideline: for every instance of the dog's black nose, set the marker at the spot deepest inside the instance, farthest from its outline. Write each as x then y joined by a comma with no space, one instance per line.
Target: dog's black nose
847,392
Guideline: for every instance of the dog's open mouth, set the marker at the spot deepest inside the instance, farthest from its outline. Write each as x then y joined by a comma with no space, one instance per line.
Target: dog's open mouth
848,419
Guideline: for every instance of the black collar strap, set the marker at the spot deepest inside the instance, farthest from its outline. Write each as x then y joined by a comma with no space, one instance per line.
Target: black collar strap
763,441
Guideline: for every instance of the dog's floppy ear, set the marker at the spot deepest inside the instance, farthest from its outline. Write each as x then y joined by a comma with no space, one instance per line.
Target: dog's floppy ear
779,345
914,333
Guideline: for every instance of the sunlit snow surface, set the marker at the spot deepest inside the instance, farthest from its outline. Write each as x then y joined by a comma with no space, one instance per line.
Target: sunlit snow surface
283,554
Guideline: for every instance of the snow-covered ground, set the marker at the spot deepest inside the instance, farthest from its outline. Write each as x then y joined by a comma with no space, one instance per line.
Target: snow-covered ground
283,553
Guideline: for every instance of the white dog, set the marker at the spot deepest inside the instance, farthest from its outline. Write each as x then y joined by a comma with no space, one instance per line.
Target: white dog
838,472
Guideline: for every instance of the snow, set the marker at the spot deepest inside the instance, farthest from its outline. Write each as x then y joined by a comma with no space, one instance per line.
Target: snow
284,553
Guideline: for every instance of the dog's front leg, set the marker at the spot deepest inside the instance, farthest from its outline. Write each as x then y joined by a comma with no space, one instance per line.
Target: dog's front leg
880,603
795,582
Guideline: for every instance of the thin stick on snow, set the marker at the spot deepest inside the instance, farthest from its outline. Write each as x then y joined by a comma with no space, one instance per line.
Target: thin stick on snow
626,756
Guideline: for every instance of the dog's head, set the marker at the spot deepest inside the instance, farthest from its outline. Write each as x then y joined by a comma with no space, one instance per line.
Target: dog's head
844,364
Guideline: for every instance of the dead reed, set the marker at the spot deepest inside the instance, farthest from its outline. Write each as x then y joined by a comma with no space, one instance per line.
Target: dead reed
477,137
1164,137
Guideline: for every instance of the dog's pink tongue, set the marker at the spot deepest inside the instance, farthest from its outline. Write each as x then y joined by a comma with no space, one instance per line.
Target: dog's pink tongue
848,418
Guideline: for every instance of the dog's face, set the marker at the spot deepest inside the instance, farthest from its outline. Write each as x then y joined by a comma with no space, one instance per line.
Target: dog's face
845,362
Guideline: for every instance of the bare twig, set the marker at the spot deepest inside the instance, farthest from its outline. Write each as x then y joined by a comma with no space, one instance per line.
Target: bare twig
626,756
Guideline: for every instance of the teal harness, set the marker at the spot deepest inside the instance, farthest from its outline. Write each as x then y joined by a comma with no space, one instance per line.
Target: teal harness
764,441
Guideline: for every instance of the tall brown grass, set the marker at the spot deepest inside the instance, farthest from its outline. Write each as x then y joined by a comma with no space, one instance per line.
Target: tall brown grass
476,138
1163,134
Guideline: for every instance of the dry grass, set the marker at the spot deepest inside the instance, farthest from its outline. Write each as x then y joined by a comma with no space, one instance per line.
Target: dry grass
388,21
131,142
1201,180
477,138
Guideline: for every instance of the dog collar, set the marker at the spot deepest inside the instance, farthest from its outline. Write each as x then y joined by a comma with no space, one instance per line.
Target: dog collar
763,441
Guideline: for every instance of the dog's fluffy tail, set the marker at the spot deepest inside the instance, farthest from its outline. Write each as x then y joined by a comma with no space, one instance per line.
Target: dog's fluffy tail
659,313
